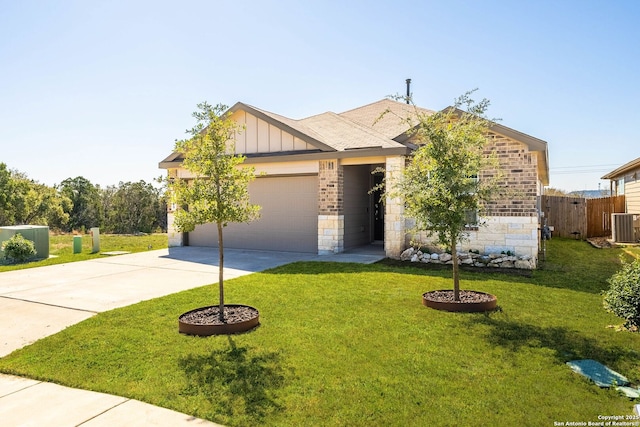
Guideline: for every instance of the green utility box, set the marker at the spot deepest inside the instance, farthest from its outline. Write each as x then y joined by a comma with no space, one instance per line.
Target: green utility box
77,244
38,234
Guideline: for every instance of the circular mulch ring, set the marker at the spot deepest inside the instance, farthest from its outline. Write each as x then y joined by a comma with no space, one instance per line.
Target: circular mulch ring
204,321
470,301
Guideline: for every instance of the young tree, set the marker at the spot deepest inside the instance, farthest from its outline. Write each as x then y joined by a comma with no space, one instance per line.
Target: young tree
219,190
443,183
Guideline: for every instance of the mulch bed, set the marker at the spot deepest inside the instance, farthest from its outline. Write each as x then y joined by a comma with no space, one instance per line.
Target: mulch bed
465,296
601,242
209,315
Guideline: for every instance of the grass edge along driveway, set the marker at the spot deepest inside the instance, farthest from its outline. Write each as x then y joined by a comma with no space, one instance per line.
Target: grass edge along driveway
350,344
61,248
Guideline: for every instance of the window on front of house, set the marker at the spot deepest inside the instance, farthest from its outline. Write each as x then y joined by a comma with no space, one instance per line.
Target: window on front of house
620,187
471,219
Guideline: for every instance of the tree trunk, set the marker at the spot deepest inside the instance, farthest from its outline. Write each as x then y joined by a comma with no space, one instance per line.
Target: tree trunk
456,275
221,272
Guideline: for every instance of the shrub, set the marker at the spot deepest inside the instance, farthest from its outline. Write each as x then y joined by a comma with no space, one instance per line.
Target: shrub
623,297
18,249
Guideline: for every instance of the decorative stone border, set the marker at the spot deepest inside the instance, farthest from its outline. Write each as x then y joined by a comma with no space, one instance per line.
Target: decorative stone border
470,258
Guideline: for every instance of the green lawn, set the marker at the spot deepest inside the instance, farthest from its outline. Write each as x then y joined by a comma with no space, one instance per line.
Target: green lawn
351,345
61,248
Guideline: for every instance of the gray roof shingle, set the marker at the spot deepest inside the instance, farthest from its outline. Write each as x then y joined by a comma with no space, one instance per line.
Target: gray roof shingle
343,134
387,117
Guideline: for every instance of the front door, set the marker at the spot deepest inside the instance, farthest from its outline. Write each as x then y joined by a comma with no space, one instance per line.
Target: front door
378,208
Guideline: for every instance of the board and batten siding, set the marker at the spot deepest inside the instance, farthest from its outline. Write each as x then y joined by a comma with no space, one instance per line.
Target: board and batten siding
260,136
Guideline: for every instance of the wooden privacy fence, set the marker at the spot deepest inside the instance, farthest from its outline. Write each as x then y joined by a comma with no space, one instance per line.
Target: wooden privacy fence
580,218
567,215
599,214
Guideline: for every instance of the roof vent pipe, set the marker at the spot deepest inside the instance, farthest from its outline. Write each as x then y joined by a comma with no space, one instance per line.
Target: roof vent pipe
408,90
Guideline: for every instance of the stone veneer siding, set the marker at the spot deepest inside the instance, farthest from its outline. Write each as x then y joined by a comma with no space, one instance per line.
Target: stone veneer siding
330,207
518,234
175,236
394,220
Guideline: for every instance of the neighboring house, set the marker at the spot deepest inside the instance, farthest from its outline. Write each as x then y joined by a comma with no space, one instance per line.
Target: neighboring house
625,180
315,175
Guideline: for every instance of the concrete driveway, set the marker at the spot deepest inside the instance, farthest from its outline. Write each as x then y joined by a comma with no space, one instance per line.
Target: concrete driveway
38,302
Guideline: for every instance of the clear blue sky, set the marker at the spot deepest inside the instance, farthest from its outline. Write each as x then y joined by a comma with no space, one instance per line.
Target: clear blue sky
102,89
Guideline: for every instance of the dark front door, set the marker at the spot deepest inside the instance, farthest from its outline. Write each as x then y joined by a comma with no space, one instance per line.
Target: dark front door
378,208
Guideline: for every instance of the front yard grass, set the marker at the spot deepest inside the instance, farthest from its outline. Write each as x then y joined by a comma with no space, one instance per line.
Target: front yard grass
351,345
61,248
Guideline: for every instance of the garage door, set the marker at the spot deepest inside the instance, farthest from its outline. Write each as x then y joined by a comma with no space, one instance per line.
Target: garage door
288,218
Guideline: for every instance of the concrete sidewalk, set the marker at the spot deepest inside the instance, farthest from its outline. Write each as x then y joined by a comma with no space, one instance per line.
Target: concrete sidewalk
25,402
38,302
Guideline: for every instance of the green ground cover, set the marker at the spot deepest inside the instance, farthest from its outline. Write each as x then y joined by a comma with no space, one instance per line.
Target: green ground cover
61,248
350,344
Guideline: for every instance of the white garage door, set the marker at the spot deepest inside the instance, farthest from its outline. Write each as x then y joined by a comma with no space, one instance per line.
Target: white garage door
288,218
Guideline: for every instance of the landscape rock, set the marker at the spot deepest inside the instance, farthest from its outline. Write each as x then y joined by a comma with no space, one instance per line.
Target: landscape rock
445,257
407,254
523,264
492,260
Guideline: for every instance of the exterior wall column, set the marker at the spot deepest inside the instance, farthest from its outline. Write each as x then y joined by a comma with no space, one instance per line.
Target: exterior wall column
394,219
330,207
176,238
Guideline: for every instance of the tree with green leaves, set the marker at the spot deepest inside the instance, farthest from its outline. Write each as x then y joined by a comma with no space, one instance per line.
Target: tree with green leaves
85,209
7,196
133,207
443,185
219,191
25,201
41,204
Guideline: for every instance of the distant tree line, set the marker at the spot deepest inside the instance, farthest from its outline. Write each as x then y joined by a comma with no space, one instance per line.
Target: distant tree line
77,204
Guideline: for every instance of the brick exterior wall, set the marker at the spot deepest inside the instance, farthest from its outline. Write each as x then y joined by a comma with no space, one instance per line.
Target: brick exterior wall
330,207
509,223
330,188
518,170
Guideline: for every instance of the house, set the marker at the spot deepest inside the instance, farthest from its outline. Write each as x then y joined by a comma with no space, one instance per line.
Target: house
315,175
625,180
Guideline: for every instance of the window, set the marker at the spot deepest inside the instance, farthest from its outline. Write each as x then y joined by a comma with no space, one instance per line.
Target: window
620,187
472,219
